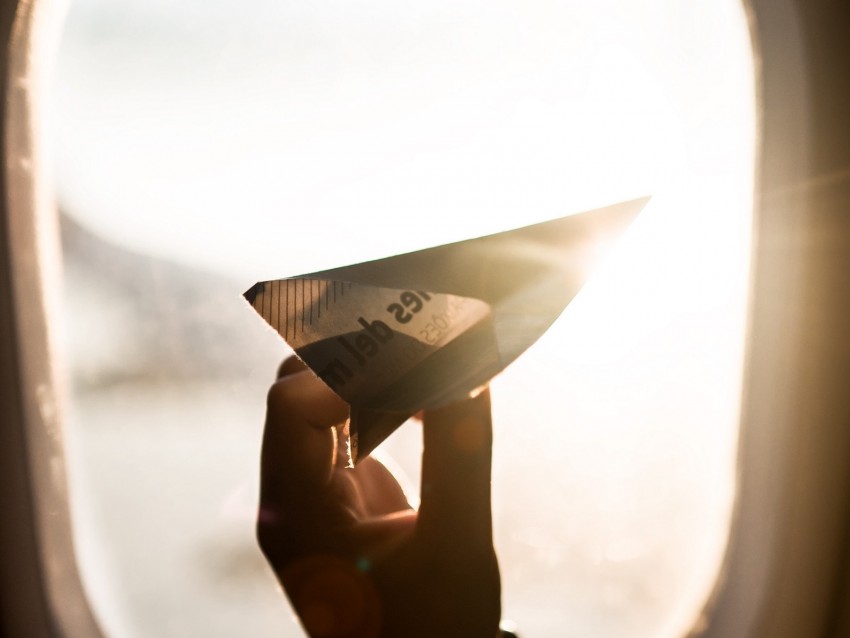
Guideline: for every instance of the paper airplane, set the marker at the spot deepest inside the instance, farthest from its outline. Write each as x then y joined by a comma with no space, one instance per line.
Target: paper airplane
419,330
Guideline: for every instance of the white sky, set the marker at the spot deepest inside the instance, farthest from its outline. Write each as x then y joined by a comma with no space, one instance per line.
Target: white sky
270,143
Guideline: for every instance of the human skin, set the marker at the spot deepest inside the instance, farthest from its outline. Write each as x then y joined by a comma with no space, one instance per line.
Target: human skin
354,558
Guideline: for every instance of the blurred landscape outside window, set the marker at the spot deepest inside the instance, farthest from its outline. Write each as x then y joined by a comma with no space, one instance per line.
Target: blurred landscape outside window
199,147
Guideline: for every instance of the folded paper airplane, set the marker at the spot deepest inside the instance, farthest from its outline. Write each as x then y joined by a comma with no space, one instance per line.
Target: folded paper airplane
423,329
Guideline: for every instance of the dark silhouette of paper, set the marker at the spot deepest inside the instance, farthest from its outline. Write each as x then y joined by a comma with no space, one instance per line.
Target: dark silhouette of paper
414,331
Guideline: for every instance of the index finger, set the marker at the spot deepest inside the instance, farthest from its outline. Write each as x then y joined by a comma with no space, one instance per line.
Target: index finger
299,441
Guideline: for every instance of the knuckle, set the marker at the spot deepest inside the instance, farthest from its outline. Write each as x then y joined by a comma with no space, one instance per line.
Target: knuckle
266,531
281,399
291,365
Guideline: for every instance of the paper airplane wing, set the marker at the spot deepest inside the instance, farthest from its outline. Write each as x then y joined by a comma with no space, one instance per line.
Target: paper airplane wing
419,330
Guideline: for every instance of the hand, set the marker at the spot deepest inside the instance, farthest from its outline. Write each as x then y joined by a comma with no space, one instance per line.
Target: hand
353,557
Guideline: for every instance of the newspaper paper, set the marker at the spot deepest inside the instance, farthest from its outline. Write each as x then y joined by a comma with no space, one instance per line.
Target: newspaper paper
422,329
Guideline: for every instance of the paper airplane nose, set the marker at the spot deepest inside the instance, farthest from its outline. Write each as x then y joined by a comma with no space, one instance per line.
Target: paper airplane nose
423,329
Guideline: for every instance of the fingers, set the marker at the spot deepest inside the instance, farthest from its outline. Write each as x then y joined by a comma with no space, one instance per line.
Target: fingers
290,365
299,442
456,473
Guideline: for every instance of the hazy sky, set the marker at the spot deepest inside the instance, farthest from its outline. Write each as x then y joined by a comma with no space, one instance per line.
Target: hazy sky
268,141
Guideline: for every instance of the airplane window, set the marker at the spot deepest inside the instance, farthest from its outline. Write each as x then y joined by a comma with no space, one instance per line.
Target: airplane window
199,147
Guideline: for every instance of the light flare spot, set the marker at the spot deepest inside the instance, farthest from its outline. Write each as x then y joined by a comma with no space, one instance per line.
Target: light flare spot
333,597
318,619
